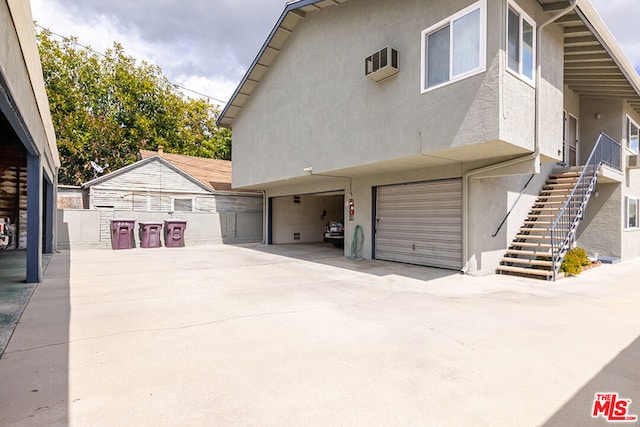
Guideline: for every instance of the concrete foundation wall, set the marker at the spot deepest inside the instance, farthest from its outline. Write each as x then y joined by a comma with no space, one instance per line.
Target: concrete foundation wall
82,227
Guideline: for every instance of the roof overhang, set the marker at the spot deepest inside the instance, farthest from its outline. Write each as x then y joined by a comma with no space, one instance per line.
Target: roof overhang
294,13
594,63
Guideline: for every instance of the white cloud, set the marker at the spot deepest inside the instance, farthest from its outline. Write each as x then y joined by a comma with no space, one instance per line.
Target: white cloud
621,17
99,32
208,85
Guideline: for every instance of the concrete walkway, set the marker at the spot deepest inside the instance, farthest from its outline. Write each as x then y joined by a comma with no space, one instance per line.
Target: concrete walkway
298,335
14,292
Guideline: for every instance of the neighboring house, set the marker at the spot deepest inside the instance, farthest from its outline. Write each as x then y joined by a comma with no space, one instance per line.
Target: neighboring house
164,186
28,154
442,128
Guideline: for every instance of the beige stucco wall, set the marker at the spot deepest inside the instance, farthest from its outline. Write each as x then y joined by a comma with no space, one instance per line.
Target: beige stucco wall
601,229
319,103
517,119
490,200
604,227
610,122
571,102
21,70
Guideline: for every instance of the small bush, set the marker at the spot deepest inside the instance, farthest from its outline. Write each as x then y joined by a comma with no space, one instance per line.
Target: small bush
574,260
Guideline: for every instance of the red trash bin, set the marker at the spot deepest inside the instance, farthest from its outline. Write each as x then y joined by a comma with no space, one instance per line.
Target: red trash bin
174,232
149,234
122,233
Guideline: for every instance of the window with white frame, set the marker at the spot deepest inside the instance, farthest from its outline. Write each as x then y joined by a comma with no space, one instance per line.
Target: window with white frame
633,207
454,48
521,43
633,135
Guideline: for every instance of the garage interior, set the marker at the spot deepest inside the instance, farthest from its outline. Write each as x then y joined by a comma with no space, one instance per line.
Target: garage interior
13,184
13,200
302,218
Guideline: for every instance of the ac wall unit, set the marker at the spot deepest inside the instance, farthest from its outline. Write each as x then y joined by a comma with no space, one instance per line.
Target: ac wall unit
633,161
382,64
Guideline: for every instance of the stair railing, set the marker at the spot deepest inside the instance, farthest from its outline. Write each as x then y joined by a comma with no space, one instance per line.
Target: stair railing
563,230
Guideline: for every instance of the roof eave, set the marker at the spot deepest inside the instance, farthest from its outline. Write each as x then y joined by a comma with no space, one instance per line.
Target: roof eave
594,22
292,8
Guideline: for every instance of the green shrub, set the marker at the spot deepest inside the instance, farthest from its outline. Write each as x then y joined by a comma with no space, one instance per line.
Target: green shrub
574,260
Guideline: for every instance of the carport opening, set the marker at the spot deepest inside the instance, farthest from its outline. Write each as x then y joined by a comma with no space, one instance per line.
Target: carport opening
13,189
305,218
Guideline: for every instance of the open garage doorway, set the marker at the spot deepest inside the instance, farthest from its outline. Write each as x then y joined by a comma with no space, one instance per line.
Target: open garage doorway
302,218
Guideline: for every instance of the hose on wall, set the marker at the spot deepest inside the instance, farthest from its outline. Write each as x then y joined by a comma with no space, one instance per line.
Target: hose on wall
356,244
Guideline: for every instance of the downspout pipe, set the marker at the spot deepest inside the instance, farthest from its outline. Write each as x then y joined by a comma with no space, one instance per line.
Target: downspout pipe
265,219
466,250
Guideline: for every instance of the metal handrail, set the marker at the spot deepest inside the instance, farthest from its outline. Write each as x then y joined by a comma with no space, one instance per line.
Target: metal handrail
562,231
514,205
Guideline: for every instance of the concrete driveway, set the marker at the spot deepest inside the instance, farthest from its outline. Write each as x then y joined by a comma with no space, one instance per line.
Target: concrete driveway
298,335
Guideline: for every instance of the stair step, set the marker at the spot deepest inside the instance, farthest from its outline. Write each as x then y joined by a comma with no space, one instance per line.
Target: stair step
530,245
541,216
532,236
546,209
535,229
565,174
528,221
522,270
527,253
566,191
564,178
527,261
560,185
549,202
553,196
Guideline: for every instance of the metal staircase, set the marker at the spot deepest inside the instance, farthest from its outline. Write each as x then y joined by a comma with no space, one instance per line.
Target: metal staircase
550,228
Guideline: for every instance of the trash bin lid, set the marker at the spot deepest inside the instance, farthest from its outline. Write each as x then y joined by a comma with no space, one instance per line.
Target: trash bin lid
175,220
149,223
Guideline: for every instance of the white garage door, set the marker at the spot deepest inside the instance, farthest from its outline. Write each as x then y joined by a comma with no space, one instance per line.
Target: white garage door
420,223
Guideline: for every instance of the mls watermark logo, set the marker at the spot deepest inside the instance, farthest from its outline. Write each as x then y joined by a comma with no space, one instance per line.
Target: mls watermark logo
612,408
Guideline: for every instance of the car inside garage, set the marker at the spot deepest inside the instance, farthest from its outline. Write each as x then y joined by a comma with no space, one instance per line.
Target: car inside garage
302,218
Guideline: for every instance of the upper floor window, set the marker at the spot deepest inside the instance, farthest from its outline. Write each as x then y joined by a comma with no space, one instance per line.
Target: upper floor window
454,48
633,210
633,135
521,44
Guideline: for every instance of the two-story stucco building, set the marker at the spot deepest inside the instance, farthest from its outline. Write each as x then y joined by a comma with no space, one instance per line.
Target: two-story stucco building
452,132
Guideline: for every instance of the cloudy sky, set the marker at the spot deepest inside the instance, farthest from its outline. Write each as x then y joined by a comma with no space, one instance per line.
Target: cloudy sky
207,45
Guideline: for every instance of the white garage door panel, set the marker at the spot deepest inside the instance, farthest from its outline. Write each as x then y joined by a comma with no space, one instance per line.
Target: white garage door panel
420,223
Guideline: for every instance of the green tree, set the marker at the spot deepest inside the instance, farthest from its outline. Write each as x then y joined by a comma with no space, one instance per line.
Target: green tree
105,108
